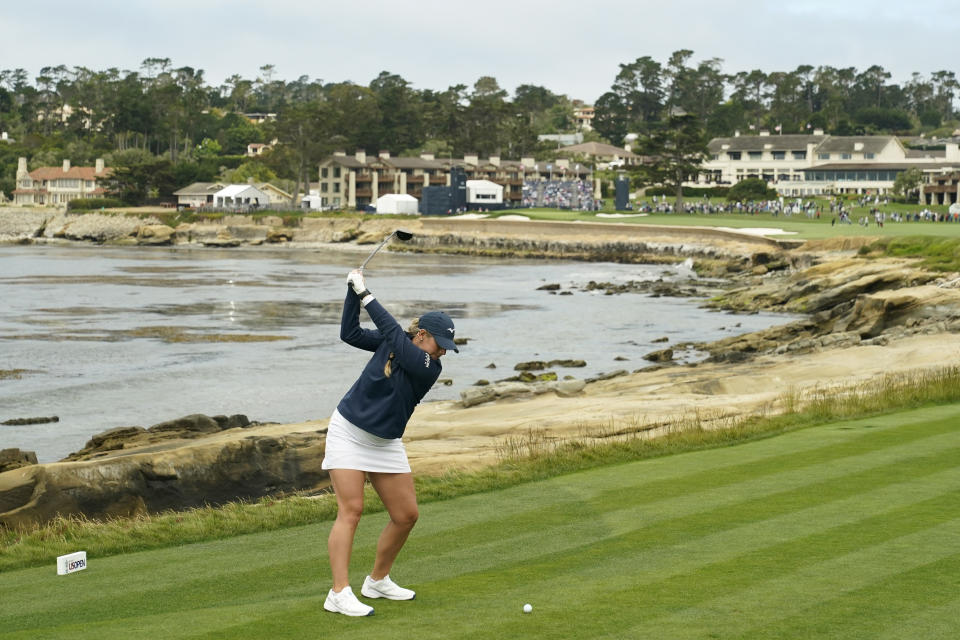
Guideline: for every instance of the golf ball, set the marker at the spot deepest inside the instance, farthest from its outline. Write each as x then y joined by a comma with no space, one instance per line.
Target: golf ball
527,608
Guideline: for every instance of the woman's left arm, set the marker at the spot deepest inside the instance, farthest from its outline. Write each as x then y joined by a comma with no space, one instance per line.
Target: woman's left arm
414,360
350,330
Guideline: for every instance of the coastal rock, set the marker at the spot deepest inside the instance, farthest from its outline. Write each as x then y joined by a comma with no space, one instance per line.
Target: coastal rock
15,458
208,472
155,234
21,225
109,440
509,389
185,428
36,420
875,313
275,236
663,355
822,286
98,227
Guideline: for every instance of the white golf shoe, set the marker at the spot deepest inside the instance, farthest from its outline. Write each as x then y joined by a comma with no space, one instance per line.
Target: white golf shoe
346,603
385,588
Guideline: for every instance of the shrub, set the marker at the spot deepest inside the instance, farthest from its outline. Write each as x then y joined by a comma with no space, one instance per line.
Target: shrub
88,204
751,189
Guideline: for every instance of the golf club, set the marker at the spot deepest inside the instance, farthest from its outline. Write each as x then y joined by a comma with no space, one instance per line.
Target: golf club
400,234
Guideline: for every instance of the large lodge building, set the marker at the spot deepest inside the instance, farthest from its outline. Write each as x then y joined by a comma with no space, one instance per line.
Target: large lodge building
358,180
818,164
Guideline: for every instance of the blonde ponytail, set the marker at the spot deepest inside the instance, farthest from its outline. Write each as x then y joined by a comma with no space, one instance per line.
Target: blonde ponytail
411,331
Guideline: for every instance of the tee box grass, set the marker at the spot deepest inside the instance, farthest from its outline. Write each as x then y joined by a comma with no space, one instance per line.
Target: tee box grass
845,530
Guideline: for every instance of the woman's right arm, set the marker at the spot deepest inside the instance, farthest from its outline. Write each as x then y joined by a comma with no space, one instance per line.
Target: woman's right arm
350,330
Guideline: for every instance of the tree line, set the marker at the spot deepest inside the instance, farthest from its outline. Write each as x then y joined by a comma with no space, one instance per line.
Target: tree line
169,126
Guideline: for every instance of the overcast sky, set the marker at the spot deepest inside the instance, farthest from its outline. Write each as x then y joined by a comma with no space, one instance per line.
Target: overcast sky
571,47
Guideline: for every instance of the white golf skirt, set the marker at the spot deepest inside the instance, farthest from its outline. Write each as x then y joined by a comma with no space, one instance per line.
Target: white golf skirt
350,447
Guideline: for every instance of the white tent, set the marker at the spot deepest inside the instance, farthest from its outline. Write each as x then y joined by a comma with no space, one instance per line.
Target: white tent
484,192
240,195
397,203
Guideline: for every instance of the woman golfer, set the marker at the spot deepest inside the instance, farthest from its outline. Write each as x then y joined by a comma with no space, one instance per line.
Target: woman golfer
363,438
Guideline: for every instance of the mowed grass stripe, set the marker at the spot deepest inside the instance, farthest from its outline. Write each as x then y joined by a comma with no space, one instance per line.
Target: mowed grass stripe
598,564
870,610
648,573
809,590
581,518
196,576
661,474
929,622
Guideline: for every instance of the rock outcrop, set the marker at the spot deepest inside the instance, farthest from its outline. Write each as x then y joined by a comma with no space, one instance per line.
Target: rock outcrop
167,469
17,225
503,390
15,458
848,301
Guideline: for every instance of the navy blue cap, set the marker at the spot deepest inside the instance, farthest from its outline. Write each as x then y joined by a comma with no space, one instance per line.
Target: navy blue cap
441,328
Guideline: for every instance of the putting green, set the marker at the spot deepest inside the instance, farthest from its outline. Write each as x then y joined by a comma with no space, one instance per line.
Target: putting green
847,530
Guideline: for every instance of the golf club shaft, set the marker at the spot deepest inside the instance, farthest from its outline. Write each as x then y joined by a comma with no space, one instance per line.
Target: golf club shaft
374,252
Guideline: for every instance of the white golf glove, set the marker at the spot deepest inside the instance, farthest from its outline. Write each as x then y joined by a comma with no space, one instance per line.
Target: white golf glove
355,280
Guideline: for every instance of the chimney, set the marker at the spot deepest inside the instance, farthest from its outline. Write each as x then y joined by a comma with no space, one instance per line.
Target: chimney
99,168
764,132
953,152
736,134
426,156
495,161
528,162
22,168
858,146
340,153
66,166
3,136
818,132
563,163
471,158
385,154
361,156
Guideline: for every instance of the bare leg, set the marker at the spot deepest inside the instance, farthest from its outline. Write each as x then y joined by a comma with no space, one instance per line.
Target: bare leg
397,492
348,486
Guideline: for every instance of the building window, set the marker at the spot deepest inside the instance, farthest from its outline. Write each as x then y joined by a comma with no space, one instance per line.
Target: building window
846,156
324,172
336,187
779,155
336,172
823,156
714,156
323,187
799,155
755,155
733,155
868,156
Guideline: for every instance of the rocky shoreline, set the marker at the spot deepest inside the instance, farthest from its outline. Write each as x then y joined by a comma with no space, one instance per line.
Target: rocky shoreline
850,305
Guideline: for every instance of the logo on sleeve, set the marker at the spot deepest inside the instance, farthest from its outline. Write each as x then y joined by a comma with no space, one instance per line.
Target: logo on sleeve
426,360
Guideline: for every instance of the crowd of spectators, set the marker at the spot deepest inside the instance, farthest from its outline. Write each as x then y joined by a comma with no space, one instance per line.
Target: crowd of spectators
559,194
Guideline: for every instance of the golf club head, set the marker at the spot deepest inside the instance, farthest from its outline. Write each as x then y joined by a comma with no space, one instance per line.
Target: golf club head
400,234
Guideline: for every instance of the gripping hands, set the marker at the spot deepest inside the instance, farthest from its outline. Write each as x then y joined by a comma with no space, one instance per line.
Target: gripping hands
359,287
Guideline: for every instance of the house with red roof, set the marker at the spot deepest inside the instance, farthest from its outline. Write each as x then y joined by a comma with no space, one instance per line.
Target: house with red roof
56,186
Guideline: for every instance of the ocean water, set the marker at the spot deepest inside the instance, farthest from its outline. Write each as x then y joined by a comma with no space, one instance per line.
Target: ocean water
110,337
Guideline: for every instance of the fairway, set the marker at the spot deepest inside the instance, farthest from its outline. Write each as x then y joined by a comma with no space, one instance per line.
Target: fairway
795,227
847,530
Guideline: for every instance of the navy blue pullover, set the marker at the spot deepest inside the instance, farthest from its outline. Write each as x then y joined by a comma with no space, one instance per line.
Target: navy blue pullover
375,403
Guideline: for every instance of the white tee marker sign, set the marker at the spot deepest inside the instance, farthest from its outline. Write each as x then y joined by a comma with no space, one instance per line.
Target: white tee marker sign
71,562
